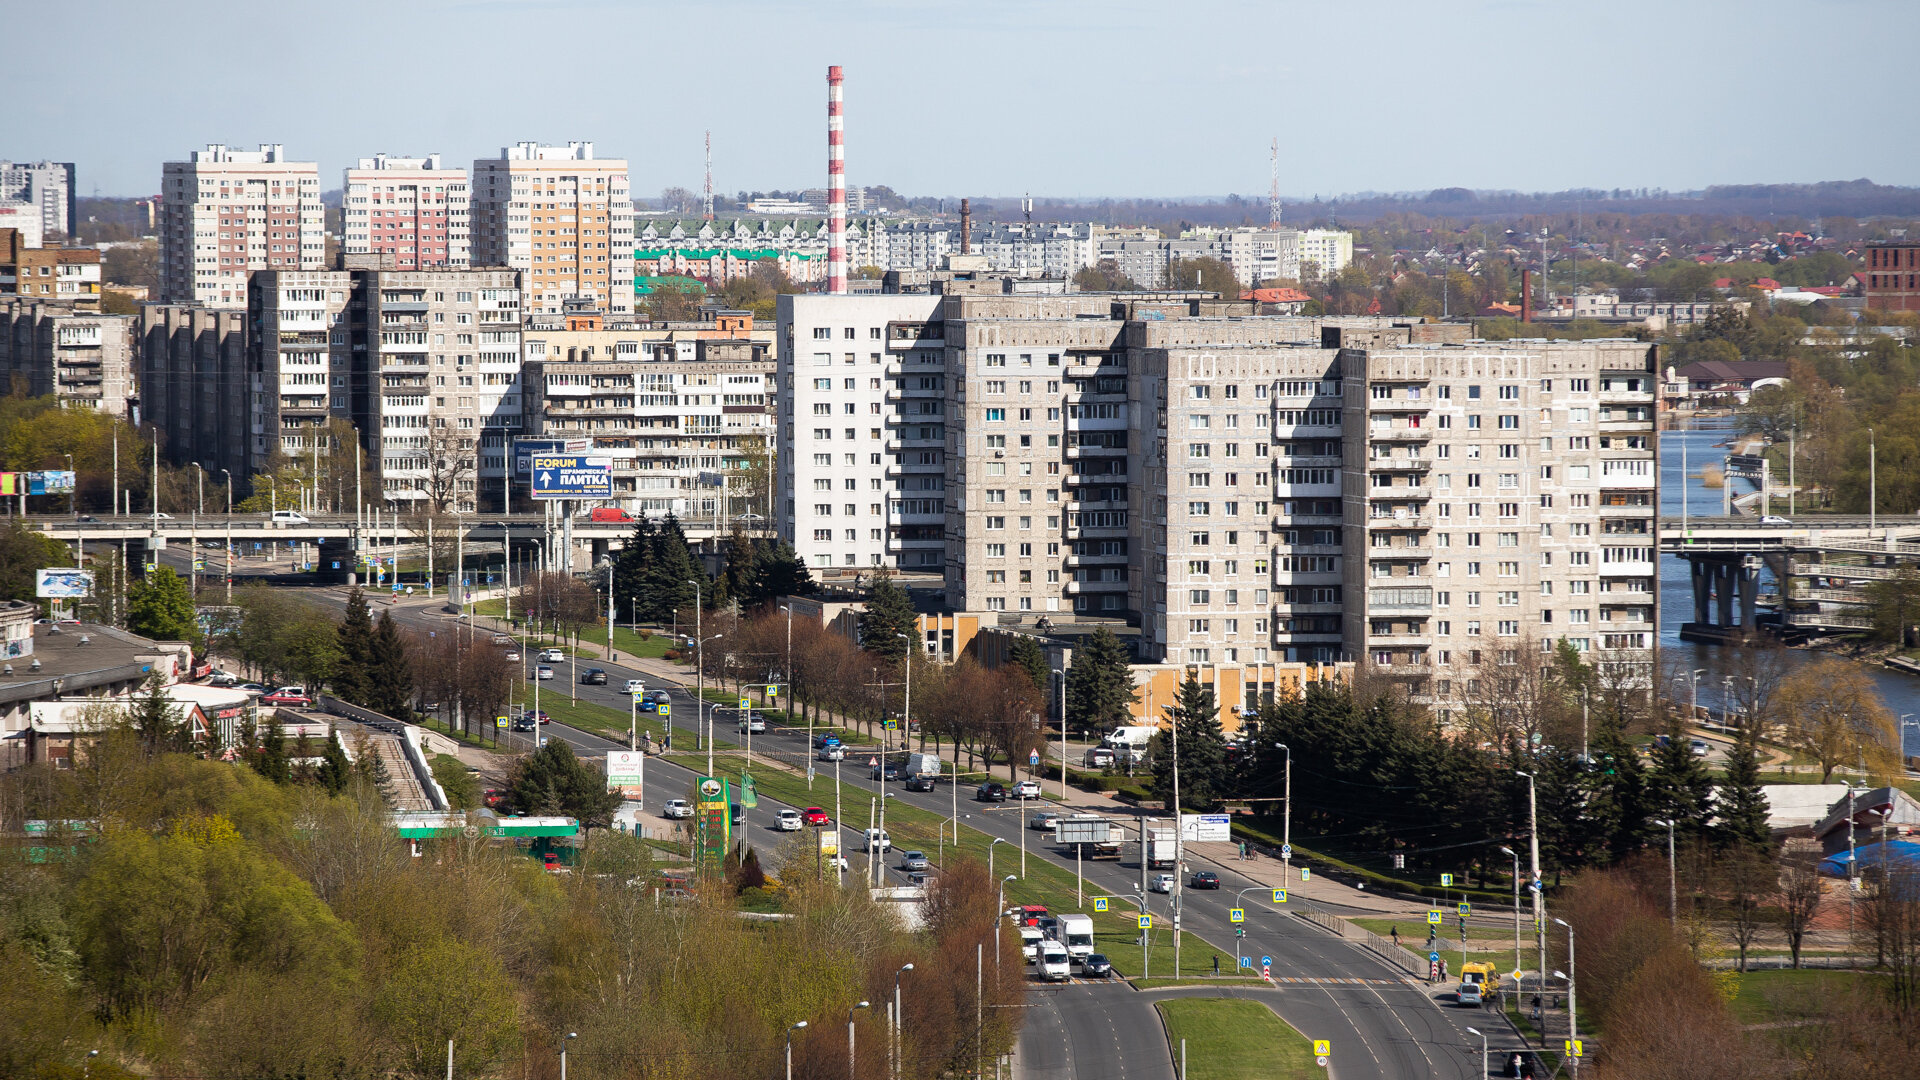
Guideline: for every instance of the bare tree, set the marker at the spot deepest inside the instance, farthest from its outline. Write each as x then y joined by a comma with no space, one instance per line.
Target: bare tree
1744,880
450,472
1800,896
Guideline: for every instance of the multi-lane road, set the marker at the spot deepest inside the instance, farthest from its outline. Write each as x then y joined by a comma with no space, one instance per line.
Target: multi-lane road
1381,1025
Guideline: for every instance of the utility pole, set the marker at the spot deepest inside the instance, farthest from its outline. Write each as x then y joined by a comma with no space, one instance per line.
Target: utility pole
1533,845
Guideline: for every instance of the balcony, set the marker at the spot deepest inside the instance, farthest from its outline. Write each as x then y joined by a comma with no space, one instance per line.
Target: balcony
1411,523
1075,588
1075,453
1388,640
1094,560
1400,405
1411,551
1316,461
1399,434
1399,464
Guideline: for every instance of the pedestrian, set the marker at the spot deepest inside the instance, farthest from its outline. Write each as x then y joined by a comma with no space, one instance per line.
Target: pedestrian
1396,935
1216,963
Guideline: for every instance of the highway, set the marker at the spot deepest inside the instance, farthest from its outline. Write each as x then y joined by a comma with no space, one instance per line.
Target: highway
1381,1025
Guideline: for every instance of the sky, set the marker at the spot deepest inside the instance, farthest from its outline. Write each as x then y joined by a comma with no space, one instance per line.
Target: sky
1123,98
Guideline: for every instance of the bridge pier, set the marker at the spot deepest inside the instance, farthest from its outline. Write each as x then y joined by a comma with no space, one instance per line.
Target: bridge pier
1726,594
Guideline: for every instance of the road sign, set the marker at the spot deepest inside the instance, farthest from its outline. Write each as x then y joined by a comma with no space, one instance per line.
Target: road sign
773,691
499,721
745,702
872,762
1266,961
1246,961
1279,896
1306,874
1146,922
1320,1061
663,709
1033,758
1286,851
1466,909
1237,915
1433,958
572,476
1099,903
1433,917
1322,1048
1446,881
1574,1048
1266,971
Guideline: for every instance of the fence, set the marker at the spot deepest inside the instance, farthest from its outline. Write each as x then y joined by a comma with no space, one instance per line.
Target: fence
1384,948
408,739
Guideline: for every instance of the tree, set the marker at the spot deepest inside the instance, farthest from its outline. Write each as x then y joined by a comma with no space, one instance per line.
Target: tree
1206,274
351,676
741,569
633,568
1740,804
551,780
1104,276
159,607
1893,603
1678,785
24,550
389,670
1830,711
1743,881
673,300
888,618
780,572
671,572
1194,720
335,770
1100,690
1801,890
155,718
1026,654
450,460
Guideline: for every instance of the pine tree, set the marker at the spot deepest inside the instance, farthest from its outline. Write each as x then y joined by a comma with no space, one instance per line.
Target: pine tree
1100,690
352,676
632,569
665,588
334,768
1678,786
272,761
888,615
389,670
1741,805
1202,749
154,717
780,571
1027,654
741,569
159,607
1617,800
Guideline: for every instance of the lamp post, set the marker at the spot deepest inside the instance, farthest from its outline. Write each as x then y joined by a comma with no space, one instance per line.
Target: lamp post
1853,875
790,1030
1573,1017
877,844
71,488
1483,1048
1062,676
1693,692
1000,916
1673,881
571,1035
1533,847
1516,917
997,841
850,1049
1286,817
229,475
906,702
895,1045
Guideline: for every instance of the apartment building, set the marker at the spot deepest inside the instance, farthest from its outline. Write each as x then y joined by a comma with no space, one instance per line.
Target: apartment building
412,212
83,359
226,213
688,424
300,360
39,198
196,387
69,275
1892,276
560,216
863,467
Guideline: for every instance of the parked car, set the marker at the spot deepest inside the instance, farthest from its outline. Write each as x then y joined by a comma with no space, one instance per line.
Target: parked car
791,821
593,676
1096,966
223,678
990,792
634,686
493,797
1699,747
255,688
288,695
753,724
815,816
1162,883
1026,789
677,808
543,673
1203,879
1043,819
288,517
1098,757
920,783
913,860
835,752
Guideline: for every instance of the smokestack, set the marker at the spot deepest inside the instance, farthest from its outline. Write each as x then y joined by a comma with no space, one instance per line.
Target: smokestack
1526,296
836,188
966,226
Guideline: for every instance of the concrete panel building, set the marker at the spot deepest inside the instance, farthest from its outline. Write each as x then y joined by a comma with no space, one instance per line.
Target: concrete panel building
562,217
300,361
1892,276
195,386
42,196
84,359
413,211
225,213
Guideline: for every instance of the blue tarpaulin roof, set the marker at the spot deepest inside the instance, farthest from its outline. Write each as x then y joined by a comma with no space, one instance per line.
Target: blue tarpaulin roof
1902,854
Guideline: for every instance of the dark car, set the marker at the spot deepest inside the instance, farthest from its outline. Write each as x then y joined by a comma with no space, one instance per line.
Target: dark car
892,771
593,676
990,792
1204,879
825,739
524,723
920,783
1096,966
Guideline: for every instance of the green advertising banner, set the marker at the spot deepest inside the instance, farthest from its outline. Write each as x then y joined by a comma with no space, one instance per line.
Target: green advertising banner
712,821
748,797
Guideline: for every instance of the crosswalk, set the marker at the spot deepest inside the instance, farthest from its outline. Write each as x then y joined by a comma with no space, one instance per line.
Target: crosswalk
1289,980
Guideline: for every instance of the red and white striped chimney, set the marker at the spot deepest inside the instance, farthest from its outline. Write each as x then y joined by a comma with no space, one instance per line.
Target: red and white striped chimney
836,187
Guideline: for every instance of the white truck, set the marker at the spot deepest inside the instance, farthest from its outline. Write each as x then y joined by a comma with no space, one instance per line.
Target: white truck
1161,849
923,765
1076,933
1133,738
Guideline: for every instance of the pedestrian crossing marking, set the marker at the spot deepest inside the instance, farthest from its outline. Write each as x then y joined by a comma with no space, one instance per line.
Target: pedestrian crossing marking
1295,980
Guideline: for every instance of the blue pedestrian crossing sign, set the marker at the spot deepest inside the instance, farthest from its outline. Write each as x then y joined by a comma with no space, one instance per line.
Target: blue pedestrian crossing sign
1237,915
1433,917
1446,880
1279,896
664,709
1306,873
1099,903
1146,922
1466,909
773,691
746,702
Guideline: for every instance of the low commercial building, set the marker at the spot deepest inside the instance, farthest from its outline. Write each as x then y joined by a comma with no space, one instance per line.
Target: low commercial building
84,359
68,275
68,661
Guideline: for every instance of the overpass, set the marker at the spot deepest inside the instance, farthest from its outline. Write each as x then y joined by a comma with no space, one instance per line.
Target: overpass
339,538
1826,567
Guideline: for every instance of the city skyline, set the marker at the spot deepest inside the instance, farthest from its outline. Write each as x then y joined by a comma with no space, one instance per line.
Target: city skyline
1176,124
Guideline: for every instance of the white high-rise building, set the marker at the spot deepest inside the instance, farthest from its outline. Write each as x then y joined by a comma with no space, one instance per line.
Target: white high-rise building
560,216
225,213
42,190
412,212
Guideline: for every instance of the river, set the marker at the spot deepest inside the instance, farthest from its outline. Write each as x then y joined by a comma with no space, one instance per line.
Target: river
1901,691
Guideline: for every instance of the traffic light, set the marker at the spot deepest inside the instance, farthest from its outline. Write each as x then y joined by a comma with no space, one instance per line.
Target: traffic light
1240,931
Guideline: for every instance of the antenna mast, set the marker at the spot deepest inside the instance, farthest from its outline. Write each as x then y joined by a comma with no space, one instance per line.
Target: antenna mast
707,205
1273,193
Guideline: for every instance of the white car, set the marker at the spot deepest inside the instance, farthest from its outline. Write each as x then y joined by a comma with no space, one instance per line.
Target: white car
879,840
543,672
790,821
552,656
753,725
634,686
1162,883
676,808
836,752
1774,519
1026,789
288,517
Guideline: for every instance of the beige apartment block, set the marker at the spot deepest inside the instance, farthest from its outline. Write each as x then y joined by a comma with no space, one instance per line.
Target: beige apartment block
411,211
562,217
225,213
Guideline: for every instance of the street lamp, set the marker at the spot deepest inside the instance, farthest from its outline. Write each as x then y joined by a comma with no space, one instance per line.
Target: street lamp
1286,817
1000,916
790,1031
1062,676
894,1047
997,841
1516,917
850,1059
1483,1048
571,1035
906,702
1673,882
72,487
1693,691
1573,1022
1533,847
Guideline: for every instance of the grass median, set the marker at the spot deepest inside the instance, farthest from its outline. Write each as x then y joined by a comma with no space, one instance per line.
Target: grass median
1488,940
1228,1039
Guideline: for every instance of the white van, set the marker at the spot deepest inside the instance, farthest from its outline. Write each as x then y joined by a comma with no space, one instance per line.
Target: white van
1055,964
1030,938
288,517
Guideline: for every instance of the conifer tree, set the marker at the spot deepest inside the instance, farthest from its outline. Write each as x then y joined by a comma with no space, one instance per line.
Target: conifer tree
351,675
889,613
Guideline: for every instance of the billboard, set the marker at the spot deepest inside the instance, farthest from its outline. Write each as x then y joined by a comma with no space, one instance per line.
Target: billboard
1206,828
712,821
58,482
626,769
572,476
524,449
63,583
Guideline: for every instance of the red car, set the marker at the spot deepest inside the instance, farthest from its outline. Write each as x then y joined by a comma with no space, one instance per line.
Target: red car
815,815
288,695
